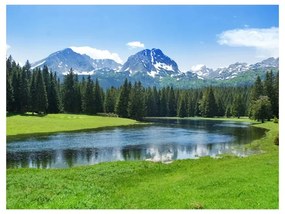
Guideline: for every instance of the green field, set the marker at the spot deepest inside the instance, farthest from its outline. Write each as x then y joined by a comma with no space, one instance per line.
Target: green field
26,125
227,182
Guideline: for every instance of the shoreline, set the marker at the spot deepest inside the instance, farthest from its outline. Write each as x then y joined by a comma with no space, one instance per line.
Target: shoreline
19,126
40,133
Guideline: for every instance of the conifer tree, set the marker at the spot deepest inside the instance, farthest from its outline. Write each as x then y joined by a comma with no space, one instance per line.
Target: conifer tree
53,95
88,101
16,89
261,109
69,93
136,105
275,103
171,102
78,96
123,100
182,106
257,90
24,92
163,102
237,107
208,105
110,101
33,93
9,96
41,95
151,103
98,97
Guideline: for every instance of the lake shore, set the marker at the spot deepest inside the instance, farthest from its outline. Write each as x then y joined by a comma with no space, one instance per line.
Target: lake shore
20,126
228,182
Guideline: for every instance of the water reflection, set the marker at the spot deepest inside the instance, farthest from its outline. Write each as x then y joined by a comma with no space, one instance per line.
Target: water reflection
172,140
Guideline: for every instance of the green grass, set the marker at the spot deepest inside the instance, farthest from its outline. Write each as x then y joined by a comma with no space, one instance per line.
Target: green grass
228,182
26,125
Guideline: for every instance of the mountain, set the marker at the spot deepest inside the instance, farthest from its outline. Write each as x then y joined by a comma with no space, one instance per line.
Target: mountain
62,61
153,63
202,71
233,70
267,63
153,68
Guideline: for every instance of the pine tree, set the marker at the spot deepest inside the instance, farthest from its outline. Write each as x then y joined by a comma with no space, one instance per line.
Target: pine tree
257,90
151,102
9,87
41,98
269,88
88,101
171,102
71,93
197,101
123,100
9,63
53,95
16,89
33,93
46,78
110,101
261,109
182,106
77,96
275,103
24,92
98,97
27,69
163,102
9,96
208,105
237,107
136,105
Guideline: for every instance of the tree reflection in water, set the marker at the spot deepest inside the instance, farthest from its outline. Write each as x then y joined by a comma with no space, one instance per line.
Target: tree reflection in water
175,139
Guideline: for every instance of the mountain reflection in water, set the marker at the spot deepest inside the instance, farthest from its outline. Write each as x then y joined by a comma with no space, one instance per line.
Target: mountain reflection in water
165,141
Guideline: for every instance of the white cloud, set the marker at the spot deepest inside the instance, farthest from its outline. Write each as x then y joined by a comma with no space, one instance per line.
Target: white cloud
97,53
264,40
135,44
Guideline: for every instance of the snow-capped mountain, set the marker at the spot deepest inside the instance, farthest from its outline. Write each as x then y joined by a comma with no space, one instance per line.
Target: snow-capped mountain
62,61
267,63
232,70
153,68
152,63
202,71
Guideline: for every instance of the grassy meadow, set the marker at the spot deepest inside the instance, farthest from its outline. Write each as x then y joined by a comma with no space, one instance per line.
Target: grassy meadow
227,182
27,125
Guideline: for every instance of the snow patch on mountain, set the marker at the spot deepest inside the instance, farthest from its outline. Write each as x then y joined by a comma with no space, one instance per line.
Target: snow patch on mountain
232,70
153,63
160,65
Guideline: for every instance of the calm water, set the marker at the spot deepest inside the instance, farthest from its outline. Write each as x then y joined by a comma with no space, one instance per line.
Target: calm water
164,141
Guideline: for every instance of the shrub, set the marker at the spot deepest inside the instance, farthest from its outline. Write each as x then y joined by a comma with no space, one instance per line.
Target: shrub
276,141
275,120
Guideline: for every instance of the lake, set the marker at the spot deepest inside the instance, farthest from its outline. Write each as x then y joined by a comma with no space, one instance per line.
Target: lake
164,140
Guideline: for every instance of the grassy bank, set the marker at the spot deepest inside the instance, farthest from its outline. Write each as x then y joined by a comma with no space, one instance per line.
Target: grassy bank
26,125
228,182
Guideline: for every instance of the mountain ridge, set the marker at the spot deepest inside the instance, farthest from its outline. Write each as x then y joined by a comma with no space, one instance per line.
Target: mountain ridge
150,66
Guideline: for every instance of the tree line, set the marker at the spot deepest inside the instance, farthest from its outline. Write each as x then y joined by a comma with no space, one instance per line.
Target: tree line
41,91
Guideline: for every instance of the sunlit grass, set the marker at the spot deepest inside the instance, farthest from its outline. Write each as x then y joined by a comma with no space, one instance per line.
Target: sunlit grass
23,125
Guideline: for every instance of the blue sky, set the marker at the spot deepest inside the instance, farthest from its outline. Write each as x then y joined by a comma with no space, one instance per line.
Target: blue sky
212,35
